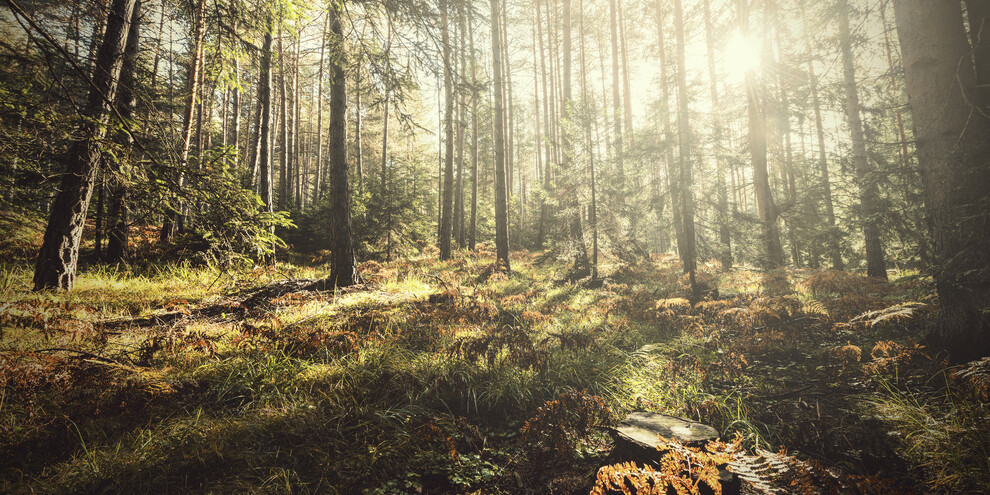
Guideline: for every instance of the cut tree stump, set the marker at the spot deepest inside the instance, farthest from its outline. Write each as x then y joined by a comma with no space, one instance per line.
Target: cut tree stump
637,439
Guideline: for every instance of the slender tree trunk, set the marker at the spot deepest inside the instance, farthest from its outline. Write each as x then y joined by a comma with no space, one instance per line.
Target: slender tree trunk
283,145
950,133
461,124
446,220
773,252
672,180
977,12
832,234
126,104
576,234
235,110
59,254
918,227
501,199
264,156
725,240
358,151
296,142
474,136
194,79
876,265
544,207
593,212
784,130
317,181
688,256
617,107
626,92
343,268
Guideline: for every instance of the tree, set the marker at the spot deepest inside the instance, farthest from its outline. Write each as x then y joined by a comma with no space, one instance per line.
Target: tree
264,154
773,252
126,102
875,264
688,255
725,240
832,234
576,232
194,78
950,132
343,268
446,210
59,254
501,198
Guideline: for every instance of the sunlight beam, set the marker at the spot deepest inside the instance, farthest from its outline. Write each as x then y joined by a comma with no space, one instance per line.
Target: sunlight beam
741,55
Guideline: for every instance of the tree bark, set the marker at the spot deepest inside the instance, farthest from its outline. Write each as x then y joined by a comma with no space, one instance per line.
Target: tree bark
501,198
59,254
950,132
343,268
576,231
688,256
617,107
725,240
446,220
318,180
832,234
876,265
264,154
474,136
672,180
773,252
126,103
194,78
544,207
459,233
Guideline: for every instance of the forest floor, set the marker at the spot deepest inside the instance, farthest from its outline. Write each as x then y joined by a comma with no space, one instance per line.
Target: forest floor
431,378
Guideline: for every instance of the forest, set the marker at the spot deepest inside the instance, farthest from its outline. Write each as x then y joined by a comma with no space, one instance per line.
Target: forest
495,246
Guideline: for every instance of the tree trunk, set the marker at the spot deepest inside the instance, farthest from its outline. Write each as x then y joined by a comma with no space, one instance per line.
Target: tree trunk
593,211
832,234
284,132
446,220
725,240
459,193
474,136
126,103
688,256
358,151
876,266
296,142
626,91
672,180
617,107
773,252
59,254
952,148
576,234
194,79
501,199
343,268
264,154
544,207
317,181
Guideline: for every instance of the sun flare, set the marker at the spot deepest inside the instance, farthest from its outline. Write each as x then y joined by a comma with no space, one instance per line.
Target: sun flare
741,54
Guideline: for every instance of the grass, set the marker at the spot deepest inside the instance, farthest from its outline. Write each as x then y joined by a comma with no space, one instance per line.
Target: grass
383,390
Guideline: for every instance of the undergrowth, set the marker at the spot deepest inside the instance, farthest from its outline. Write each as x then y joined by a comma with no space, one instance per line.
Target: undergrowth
432,378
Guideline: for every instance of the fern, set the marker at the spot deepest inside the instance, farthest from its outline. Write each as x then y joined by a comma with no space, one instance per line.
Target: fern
683,470
976,374
895,314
